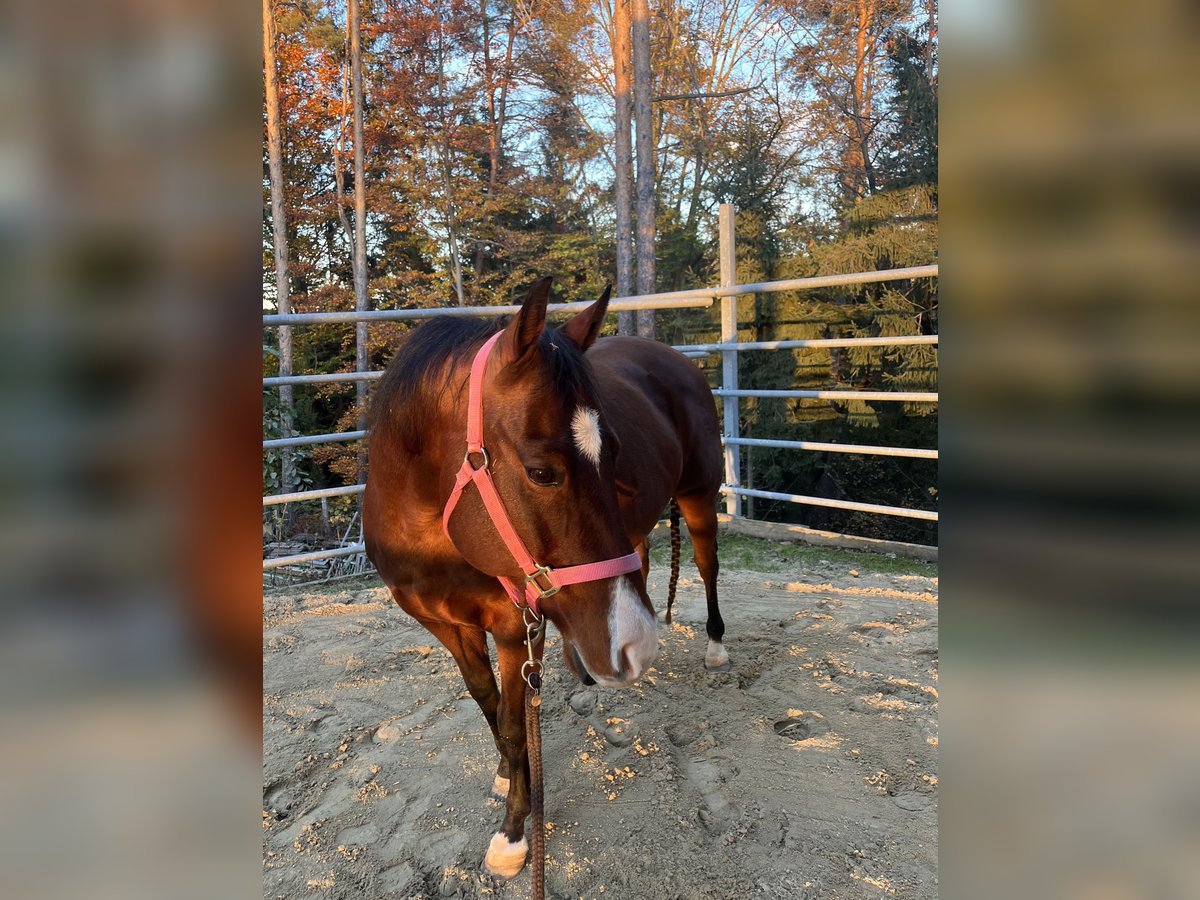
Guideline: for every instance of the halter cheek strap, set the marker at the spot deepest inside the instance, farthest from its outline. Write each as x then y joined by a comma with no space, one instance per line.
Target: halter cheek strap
540,581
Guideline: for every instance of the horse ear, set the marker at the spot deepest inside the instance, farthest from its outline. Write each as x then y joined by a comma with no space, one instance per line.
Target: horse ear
584,327
522,333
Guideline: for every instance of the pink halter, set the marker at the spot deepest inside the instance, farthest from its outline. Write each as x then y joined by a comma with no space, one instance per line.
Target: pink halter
540,581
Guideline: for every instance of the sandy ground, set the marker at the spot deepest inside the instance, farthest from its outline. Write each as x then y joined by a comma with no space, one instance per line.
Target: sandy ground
809,770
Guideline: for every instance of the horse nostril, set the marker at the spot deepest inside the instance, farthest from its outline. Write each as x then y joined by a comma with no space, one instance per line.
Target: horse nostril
631,666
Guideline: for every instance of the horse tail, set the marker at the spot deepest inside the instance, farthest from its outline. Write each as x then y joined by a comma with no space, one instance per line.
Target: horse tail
674,559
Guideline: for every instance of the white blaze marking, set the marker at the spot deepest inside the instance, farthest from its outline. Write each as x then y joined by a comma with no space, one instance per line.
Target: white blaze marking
629,625
585,428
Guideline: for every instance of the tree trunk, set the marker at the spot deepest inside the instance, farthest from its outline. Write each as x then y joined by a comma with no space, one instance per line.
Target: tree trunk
643,92
861,154
692,227
362,363
700,153
283,303
624,160
456,268
931,14
489,94
497,111
339,177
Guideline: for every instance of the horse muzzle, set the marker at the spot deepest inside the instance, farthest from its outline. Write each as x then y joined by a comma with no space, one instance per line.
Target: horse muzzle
632,644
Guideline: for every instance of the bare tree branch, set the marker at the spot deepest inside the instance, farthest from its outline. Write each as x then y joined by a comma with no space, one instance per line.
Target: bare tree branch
703,94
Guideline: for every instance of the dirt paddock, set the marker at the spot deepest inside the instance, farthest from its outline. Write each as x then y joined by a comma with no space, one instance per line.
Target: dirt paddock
809,770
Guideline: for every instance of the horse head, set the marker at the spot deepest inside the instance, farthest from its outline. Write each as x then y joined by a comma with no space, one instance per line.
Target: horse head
552,457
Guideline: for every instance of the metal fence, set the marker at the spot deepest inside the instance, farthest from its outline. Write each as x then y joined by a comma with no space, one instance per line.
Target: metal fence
728,293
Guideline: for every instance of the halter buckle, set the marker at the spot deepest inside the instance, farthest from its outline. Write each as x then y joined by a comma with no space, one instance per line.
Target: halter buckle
543,571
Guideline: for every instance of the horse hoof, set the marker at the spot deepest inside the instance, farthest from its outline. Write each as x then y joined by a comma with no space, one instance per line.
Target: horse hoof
716,659
499,789
504,860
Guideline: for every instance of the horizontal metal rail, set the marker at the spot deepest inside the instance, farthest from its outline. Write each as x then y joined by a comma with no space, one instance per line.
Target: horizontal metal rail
822,281
906,396
925,514
678,300
277,561
332,378
896,341
865,449
698,297
299,496
306,440
694,351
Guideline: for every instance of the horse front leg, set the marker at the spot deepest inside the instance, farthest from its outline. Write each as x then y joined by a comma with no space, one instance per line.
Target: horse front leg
507,851
469,648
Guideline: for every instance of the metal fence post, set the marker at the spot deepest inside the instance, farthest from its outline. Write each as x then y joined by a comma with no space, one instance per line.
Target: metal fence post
729,358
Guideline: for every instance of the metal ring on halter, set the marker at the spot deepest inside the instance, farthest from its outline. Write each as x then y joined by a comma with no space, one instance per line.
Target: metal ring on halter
487,460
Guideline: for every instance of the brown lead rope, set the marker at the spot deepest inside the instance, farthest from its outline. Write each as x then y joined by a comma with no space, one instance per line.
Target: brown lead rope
531,671
533,733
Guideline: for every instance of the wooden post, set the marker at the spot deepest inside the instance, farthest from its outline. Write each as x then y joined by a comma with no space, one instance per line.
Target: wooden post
729,358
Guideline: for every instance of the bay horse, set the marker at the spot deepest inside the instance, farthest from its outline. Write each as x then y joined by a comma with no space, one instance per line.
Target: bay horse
586,442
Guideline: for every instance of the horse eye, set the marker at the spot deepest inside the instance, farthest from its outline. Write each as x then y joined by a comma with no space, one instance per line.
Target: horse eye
544,477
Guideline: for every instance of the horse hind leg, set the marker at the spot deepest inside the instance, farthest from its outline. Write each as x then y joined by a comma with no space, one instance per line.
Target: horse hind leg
700,513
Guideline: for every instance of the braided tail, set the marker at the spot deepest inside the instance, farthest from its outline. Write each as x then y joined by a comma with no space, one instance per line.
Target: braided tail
674,560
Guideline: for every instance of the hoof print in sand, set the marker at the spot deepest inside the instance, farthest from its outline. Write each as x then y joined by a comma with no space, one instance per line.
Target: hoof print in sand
800,727
680,734
911,801
619,735
583,702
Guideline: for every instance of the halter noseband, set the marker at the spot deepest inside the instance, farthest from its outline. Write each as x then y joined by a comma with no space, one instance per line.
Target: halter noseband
540,581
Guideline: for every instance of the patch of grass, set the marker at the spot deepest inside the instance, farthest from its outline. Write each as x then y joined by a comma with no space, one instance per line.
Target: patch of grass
755,554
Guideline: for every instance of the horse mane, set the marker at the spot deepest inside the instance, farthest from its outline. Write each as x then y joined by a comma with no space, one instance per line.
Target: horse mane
422,370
